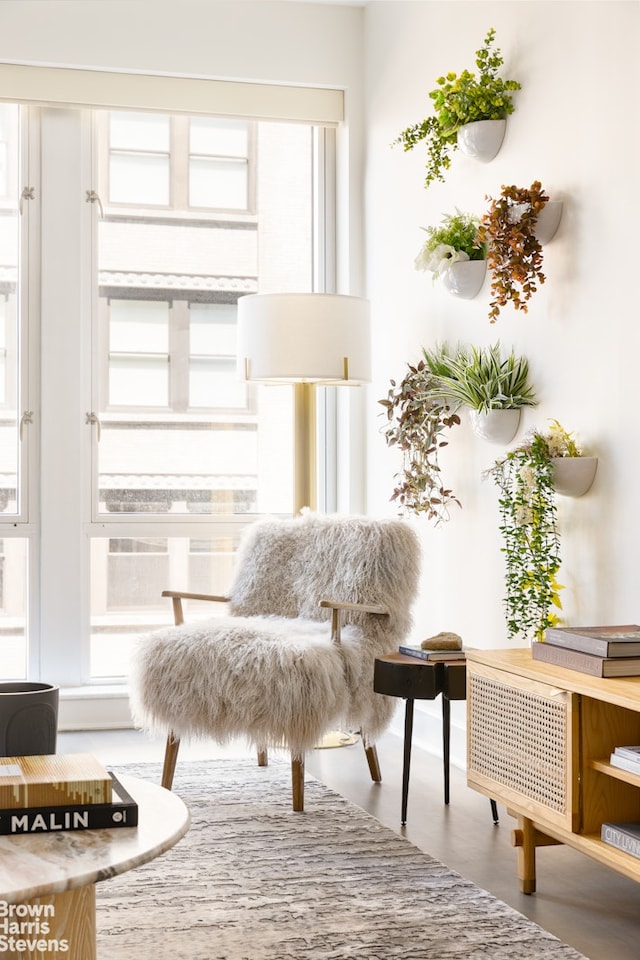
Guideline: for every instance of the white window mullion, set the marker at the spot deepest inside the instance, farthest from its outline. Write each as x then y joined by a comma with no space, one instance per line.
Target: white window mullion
66,244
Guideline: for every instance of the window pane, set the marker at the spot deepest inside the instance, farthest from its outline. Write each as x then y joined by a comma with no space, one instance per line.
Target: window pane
128,576
138,381
215,137
214,383
13,608
218,183
141,178
140,131
138,325
10,305
212,328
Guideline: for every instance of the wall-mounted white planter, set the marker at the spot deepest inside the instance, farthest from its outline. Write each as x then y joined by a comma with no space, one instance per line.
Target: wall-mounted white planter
573,476
496,426
482,139
464,278
549,220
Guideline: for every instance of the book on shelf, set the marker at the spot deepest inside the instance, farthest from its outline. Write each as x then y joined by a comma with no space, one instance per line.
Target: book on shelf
53,779
585,662
616,641
624,836
414,650
122,811
631,752
624,763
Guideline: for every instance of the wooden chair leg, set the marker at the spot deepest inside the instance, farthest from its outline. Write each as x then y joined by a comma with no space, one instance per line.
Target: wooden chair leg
170,758
263,758
297,783
374,764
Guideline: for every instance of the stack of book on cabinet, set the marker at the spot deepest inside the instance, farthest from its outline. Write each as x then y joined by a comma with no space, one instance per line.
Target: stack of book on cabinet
601,651
39,794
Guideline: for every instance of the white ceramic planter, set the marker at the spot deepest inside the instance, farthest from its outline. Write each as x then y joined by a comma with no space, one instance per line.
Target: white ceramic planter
464,278
496,426
482,139
573,476
549,220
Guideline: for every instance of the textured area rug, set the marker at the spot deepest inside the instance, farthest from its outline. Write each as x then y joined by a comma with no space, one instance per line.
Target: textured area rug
254,881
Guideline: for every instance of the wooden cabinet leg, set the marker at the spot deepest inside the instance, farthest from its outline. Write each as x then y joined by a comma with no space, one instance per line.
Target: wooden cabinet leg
297,783
527,855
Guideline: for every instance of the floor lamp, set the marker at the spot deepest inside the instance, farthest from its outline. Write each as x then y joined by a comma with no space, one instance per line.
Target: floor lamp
308,340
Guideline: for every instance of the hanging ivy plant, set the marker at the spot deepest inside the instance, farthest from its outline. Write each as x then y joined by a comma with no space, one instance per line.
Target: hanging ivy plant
528,524
419,422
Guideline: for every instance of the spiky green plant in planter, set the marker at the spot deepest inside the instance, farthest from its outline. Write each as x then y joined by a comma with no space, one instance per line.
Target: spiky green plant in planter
457,100
481,378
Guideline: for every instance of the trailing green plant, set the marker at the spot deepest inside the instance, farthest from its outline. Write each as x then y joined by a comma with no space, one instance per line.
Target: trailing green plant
455,239
460,99
528,524
481,378
418,424
514,253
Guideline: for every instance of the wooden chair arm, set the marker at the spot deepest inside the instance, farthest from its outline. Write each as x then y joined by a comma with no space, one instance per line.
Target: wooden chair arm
337,606
177,596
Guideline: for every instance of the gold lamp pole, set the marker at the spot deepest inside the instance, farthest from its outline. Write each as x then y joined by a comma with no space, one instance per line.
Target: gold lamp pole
309,340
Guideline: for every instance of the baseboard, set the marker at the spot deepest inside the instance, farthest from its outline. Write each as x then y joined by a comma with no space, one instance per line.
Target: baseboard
94,708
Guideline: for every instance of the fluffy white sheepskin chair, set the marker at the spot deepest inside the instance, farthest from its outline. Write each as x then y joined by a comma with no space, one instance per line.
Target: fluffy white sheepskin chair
314,601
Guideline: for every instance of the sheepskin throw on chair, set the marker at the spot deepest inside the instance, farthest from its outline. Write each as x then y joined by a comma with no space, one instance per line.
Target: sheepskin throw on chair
269,669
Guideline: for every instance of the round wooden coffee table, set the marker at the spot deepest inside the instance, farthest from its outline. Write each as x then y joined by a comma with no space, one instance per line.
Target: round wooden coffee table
47,880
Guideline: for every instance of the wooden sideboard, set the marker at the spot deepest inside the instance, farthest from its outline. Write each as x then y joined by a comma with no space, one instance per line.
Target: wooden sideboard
539,738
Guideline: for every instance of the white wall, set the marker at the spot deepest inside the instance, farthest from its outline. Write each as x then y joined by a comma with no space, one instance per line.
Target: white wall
575,128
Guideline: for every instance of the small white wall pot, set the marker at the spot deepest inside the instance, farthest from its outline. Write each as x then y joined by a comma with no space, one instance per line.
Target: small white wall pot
482,139
573,476
464,278
548,221
496,426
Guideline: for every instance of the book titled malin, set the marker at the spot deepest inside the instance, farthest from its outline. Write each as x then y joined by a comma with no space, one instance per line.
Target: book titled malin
620,641
52,779
121,812
624,836
436,655
585,662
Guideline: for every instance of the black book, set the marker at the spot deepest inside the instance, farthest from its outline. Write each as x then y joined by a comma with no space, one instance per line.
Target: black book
121,812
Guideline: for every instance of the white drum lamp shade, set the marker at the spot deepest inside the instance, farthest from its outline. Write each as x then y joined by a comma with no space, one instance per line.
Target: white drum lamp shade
304,338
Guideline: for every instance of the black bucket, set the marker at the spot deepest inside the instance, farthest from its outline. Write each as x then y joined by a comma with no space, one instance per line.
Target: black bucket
28,718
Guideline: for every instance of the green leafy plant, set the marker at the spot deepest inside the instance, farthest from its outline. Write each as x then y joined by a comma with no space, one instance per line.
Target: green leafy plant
514,253
480,378
418,424
457,100
455,239
528,524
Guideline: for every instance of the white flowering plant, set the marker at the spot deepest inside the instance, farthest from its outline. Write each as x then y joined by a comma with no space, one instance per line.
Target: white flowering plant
528,524
455,239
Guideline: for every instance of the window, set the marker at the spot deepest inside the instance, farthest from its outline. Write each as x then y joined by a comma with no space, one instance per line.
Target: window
153,452
176,162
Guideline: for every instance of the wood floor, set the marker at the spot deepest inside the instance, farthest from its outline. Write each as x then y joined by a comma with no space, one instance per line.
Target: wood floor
582,902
